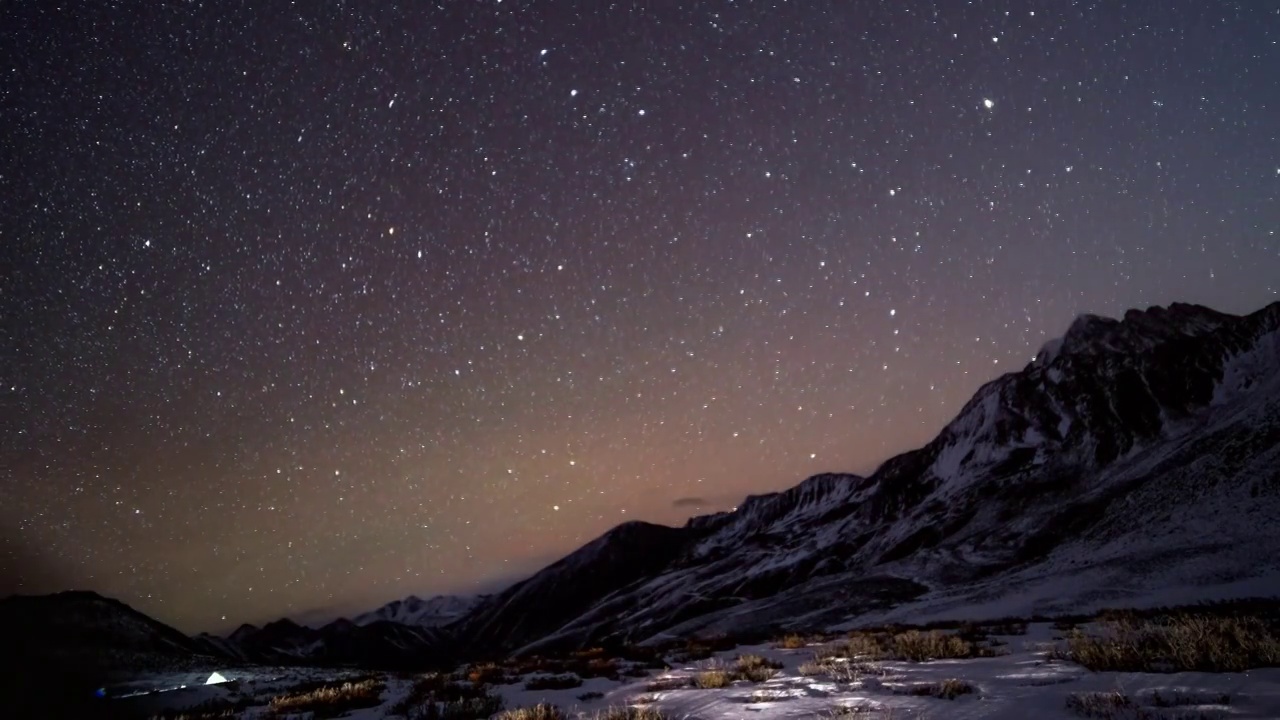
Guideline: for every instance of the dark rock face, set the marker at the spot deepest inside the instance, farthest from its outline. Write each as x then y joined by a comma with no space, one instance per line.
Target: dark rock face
88,630
534,608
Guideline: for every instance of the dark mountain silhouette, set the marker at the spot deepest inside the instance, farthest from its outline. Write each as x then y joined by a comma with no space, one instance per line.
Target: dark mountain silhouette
1134,459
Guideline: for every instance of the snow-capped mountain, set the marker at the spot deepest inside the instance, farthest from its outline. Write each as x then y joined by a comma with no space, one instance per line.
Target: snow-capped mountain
414,611
1132,455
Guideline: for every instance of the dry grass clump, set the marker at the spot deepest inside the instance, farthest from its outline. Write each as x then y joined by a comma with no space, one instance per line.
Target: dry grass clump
756,668
553,682
435,697
919,646
949,689
1115,705
589,663
692,652
331,700
1185,643
792,642
769,696
712,679
487,674
752,668
541,711
703,648
1181,698
643,656
630,713
910,645
425,687
668,683
812,668
211,715
839,669
856,711
1006,627
871,646
1099,704
477,708
211,709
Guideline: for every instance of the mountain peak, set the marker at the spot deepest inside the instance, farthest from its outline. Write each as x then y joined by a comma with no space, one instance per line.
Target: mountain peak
414,611
1138,330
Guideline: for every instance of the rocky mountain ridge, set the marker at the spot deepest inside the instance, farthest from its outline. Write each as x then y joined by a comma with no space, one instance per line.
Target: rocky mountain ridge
1035,460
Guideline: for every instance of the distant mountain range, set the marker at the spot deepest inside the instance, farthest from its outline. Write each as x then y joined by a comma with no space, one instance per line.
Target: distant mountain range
429,613
1134,460
401,634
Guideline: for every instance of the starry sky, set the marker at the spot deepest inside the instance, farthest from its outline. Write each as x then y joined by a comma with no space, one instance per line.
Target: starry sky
305,307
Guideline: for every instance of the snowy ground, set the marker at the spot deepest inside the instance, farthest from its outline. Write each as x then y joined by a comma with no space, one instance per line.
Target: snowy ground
1020,685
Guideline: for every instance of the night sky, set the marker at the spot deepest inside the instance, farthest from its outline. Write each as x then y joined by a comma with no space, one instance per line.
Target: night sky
315,305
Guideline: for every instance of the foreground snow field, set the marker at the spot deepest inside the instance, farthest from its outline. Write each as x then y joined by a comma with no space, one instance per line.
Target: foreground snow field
1022,684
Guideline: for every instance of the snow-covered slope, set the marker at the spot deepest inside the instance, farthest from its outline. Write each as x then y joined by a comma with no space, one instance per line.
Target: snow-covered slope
1124,445
432,612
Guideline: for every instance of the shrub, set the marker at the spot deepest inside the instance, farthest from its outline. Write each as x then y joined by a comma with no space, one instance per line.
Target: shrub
331,700
591,695
553,682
